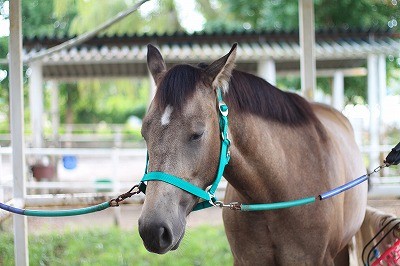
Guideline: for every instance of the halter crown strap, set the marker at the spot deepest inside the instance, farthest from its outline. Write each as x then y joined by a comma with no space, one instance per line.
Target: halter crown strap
207,196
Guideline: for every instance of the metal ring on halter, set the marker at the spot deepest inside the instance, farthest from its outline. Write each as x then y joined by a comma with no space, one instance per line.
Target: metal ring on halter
223,112
212,200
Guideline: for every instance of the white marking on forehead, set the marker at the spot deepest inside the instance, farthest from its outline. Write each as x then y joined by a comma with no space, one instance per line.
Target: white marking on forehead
166,117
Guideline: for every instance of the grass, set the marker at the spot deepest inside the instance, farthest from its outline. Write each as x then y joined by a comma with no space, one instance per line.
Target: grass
204,245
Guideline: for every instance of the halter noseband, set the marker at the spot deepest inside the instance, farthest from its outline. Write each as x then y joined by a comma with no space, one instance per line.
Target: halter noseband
207,195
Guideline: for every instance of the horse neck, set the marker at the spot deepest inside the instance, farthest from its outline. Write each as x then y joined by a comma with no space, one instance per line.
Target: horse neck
265,153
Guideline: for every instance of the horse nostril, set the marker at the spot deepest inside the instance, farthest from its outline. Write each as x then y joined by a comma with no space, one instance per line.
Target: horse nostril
157,237
165,237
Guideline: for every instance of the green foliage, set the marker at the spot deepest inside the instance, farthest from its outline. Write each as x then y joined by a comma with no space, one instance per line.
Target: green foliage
113,246
283,14
355,89
163,18
110,101
38,19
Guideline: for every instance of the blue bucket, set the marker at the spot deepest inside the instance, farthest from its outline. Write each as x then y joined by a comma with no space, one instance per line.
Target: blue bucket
69,162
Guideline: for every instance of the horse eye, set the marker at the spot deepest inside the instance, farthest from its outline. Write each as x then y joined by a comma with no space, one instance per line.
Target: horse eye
196,136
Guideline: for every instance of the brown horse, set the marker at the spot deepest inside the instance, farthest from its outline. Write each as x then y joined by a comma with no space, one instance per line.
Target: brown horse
283,148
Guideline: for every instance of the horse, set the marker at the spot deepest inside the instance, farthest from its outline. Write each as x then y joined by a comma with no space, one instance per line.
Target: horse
282,148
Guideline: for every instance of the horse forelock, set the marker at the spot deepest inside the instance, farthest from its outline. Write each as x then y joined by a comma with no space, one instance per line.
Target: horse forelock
176,86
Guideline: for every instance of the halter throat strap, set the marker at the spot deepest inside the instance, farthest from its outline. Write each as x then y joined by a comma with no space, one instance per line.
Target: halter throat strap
208,196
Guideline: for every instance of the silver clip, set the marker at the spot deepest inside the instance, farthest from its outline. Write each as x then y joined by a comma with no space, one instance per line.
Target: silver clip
233,205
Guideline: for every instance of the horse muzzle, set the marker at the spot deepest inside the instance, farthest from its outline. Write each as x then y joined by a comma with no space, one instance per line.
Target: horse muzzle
160,236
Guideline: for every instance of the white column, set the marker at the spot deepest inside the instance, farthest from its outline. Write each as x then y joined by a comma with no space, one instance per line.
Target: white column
382,95
338,90
373,104
266,69
54,109
307,45
17,132
382,86
36,103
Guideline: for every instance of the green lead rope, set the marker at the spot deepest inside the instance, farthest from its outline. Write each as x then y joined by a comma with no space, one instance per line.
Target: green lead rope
276,205
62,213
55,213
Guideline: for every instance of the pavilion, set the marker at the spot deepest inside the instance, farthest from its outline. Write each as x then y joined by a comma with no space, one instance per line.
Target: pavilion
338,53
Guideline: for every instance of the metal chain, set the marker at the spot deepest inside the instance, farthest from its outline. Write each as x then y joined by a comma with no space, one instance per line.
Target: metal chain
133,191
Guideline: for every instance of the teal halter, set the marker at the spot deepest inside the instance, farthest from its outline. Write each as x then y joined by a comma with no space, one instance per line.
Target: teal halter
208,196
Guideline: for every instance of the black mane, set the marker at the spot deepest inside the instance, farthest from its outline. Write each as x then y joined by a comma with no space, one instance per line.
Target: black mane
247,93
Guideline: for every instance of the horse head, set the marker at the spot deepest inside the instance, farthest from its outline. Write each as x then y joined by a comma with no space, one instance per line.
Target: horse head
181,130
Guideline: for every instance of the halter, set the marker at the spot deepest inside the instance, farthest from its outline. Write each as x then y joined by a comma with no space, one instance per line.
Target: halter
208,196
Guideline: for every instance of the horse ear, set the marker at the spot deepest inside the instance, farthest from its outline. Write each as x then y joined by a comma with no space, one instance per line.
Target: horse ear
155,62
219,72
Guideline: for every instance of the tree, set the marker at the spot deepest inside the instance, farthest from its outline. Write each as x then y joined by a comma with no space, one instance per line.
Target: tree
163,18
82,101
72,17
38,20
282,15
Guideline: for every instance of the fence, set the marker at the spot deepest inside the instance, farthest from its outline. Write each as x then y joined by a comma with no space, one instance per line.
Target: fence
121,168
101,173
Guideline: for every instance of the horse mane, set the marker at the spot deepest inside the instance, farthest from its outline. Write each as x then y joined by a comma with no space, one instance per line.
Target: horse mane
247,93
252,94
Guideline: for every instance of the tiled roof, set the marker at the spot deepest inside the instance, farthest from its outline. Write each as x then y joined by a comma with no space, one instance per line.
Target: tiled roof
126,55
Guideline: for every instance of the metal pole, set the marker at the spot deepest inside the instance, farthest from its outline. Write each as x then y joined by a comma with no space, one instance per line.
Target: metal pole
307,45
373,104
382,95
17,131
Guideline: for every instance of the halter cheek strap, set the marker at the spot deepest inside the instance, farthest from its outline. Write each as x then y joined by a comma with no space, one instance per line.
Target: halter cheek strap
208,196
